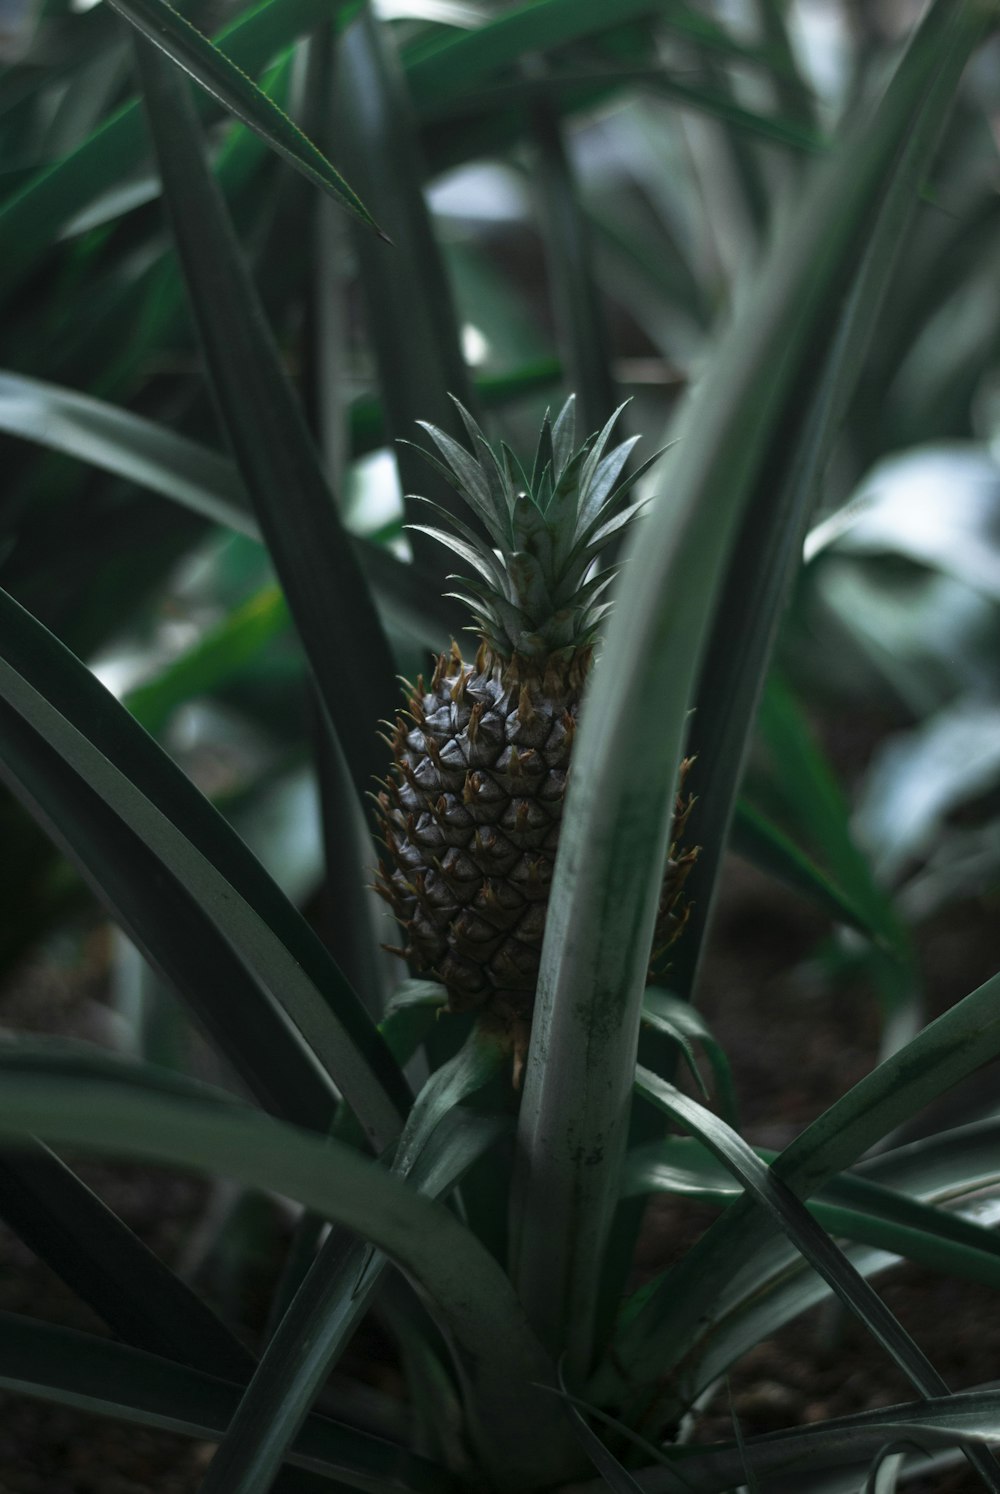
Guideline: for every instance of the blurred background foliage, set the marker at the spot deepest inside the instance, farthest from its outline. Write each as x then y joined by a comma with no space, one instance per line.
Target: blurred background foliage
575,193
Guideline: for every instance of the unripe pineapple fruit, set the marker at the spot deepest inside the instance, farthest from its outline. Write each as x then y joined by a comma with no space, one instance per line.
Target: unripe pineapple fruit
472,807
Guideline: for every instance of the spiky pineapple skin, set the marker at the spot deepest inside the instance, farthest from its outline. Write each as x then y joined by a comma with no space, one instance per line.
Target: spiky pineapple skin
471,814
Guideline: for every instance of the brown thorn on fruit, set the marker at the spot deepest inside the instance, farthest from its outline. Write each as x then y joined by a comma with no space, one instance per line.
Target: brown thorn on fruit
475,717
482,658
438,675
470,787
526,712
455,658
460,688
433,749
514,763
521,817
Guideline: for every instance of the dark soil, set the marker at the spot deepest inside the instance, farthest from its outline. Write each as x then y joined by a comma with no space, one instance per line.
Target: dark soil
794,1047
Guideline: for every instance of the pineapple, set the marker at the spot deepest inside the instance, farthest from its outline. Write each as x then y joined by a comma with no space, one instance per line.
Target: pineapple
472,807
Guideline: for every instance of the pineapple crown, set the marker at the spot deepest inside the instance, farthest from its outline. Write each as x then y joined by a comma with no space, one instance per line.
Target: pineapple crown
538,577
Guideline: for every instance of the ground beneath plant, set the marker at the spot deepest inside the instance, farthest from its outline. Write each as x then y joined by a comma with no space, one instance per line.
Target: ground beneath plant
793,1047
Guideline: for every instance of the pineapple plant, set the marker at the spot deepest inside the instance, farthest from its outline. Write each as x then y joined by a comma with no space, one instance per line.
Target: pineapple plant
472,807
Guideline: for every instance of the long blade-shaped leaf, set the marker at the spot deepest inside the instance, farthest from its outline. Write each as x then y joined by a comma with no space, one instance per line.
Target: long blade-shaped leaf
605,891
115,797
333,1297
212,69
769,551
31,217
109,1379
945,1052
848,1205
458,63
847,1440
576,300
128,445
813,1242
774,1285
767,847
269,437
97,1255
201,479
408,301
526,1438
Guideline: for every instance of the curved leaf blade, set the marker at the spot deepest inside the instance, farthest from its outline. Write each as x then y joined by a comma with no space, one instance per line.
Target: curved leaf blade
944,1421
109,1379
119,800
31,218
110,1268
128,445
468,1289
334,1295
615,840
269,436
813,1242
945,1052
185,45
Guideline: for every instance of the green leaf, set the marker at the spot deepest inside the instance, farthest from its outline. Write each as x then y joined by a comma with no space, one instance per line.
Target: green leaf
614,1474
31,218
944,1053
575,296
117,802
222,652
775,1285
479,1060
200,478
468,1291
454,64
269,437
768,555
69,1228
679,1021
946,1421
849,1206
223,80
815,799
334,1295
804,783
822,1253
760,841
409,305
616,826
97,1375
128,445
